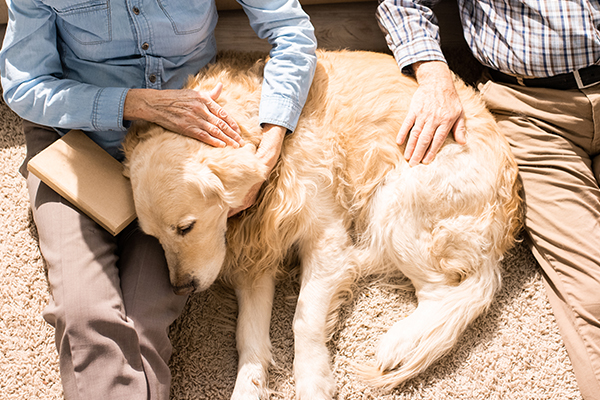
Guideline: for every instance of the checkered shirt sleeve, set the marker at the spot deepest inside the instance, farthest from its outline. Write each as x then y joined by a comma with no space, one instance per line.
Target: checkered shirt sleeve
530,38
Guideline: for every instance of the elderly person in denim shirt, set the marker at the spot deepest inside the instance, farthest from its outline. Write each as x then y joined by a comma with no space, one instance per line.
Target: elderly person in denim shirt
96,65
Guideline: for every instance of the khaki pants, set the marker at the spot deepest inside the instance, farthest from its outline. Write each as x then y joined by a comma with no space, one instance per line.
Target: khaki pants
111,300
555,136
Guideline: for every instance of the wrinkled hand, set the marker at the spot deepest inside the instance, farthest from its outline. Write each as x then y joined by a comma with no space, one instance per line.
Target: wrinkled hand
187,112
435,110
268,152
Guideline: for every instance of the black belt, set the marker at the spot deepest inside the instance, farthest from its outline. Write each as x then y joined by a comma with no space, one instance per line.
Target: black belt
587,76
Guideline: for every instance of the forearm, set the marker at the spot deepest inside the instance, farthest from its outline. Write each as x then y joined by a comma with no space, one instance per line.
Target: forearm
31,71
289,72
67,104
155,105
270,144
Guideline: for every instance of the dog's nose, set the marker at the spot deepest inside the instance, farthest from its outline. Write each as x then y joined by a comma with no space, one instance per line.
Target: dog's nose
184,290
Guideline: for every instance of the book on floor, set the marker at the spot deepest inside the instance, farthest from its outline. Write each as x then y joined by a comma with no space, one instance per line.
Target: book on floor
85,174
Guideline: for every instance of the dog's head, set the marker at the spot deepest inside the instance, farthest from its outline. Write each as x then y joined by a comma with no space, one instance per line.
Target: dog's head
183,190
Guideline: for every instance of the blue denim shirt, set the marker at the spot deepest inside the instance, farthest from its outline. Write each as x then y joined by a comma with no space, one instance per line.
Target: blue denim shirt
68,64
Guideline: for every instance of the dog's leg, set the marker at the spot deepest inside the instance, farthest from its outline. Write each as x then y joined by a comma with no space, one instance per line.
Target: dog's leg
255,303
325,272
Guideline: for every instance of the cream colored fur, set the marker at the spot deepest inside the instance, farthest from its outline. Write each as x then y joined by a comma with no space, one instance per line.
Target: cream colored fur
343,198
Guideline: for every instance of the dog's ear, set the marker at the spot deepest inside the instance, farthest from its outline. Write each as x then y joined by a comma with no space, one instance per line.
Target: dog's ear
239,170
204,180
126,172
138,132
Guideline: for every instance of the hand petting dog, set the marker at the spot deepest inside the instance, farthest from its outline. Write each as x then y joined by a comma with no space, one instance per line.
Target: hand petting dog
268,152
187,112
198,115
435,111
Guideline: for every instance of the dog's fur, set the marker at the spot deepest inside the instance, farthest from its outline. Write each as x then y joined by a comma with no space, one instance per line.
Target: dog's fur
341,196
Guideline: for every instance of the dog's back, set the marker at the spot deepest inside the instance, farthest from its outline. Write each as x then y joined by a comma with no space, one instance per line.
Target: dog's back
345,144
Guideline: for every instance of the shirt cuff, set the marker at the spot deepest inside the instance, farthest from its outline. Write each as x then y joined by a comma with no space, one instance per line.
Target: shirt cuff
107,114
424,49
280,111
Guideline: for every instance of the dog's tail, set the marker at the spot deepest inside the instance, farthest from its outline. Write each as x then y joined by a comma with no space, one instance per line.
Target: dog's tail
416,342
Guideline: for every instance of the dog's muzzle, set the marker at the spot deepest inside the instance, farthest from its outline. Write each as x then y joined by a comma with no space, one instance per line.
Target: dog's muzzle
185,290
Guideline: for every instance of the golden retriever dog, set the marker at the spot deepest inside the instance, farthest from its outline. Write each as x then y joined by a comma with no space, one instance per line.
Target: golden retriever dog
345,202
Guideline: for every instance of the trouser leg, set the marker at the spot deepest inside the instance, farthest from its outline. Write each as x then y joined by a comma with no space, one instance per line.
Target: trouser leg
149,303
111,302
553,147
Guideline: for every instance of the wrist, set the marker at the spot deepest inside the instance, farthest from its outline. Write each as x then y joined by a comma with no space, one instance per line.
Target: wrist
271,142
273,134
274,129
136,105
431,71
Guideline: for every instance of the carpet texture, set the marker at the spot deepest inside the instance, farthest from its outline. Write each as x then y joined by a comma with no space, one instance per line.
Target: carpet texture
512,352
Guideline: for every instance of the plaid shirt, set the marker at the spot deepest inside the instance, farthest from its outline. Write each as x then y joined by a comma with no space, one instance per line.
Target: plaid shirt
531,38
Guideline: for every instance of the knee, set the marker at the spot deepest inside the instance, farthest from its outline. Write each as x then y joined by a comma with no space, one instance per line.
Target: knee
84,317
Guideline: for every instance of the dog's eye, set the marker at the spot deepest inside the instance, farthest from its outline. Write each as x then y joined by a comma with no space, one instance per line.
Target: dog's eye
185,229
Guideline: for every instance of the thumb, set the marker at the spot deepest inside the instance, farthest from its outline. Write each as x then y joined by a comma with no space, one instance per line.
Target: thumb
460,131
216,91
268,151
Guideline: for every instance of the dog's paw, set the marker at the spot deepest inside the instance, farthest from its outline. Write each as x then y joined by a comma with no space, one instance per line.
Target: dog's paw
251,383
314,382
316,388
397,345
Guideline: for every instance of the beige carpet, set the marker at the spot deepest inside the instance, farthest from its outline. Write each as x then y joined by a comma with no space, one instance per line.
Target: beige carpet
513,352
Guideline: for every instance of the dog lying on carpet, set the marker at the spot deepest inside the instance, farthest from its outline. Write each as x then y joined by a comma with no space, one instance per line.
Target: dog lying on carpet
344,199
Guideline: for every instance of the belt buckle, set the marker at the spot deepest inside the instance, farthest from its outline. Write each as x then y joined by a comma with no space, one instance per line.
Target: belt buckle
580,84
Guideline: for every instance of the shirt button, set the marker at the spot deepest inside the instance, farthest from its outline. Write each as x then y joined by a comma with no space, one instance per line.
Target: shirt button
152,78
136,11
145,46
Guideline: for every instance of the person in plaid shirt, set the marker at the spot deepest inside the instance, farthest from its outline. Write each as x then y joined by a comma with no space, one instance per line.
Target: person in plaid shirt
541,83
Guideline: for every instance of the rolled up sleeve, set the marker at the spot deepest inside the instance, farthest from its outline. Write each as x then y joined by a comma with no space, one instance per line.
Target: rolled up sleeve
290,70
411,31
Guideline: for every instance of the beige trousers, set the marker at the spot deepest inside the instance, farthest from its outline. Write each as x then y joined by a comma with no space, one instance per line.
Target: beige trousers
111,300
555,136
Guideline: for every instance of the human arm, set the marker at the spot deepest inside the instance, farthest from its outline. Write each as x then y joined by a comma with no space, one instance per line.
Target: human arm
289,71
33,80
287,76
435,110
37,85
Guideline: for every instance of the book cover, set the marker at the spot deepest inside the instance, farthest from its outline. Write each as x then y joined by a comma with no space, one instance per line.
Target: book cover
85,174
